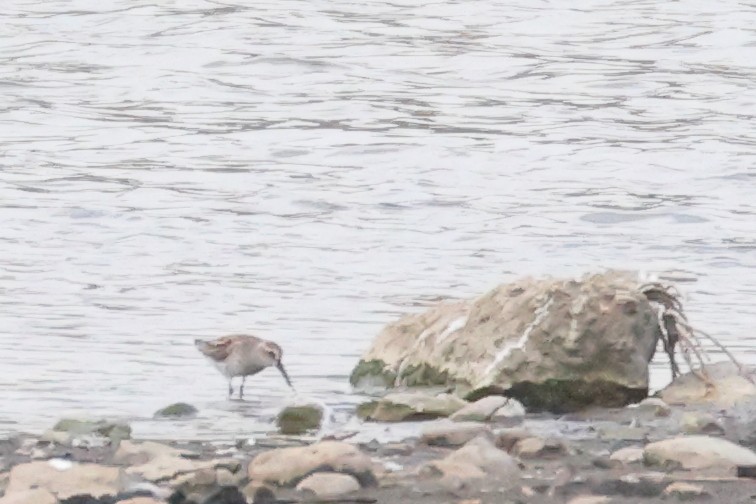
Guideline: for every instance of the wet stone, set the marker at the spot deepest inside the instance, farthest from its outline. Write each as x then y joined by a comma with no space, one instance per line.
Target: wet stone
685,491
299,419
449,433
700,423
177,410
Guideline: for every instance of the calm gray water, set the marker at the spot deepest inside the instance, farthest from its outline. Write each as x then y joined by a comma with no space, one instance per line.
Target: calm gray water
308,170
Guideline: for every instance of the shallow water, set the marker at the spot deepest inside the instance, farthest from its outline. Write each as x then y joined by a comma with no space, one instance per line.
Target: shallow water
308,170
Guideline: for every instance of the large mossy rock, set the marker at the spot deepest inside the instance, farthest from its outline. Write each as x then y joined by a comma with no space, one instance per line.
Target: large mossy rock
559,345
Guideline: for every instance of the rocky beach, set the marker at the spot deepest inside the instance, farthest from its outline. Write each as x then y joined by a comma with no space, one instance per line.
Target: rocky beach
533,392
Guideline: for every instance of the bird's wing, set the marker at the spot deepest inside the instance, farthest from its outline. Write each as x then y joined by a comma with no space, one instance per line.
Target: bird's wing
217,349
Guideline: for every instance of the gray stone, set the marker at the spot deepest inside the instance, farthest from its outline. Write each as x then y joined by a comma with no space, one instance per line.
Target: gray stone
329,485
287,466
448,433
299,419
692,422
36,496
630,485
628,455
655,406
589,499
158,462
506,439
92,479
478,459
480,410
536,447
87,433
177,410
405,406
727,387
560,345
685,491
697,452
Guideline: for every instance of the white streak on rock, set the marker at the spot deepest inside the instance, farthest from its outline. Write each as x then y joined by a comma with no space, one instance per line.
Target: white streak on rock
454,326
540,314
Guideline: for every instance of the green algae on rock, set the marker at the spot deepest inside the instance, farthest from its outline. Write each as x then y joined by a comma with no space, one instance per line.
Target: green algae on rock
176,410
299,419
407,406
112,432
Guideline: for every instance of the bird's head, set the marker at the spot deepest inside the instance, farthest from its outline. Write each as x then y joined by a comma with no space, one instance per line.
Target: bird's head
273,355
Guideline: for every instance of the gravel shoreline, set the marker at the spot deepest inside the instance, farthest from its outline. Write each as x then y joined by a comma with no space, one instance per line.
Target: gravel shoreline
623,455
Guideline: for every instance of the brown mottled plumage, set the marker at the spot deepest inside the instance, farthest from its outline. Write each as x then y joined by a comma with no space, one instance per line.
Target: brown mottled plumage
242,355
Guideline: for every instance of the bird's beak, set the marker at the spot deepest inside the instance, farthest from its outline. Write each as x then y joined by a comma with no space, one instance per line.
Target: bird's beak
280,367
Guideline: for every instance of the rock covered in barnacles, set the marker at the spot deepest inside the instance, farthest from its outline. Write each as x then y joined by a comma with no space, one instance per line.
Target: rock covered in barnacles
553,344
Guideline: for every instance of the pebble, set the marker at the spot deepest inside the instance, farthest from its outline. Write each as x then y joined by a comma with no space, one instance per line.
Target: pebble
328,485
684,491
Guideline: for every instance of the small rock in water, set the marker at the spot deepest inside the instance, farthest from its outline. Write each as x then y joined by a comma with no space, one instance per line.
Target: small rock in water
176,410
481,410
408,406
328,485
655,405
684,491
299,419
87,433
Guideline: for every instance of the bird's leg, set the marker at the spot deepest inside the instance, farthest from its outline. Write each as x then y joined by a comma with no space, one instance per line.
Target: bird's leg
241,388
230,389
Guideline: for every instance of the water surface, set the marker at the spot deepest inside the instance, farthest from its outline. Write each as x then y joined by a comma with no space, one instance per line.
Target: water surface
309,170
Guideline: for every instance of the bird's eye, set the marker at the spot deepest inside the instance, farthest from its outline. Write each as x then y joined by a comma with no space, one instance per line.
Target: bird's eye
272,355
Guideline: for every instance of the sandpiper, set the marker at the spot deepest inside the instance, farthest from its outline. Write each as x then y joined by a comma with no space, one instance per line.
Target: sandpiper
241,355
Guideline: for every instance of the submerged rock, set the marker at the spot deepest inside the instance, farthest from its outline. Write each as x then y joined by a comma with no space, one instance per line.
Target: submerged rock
559,345
697,452
299,419
177,410
288,466
404,406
